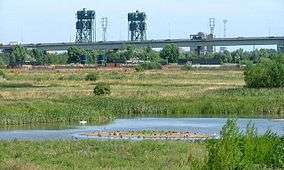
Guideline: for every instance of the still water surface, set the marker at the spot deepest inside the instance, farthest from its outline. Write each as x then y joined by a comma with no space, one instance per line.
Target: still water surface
210,126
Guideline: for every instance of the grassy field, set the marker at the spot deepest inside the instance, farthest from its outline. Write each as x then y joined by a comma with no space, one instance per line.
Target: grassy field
50,96
44,96
95,155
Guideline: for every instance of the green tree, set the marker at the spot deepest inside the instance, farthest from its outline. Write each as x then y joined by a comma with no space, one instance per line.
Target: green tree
41,57
58,58
75,54
171,53
92,56
17,56
147,54
130,52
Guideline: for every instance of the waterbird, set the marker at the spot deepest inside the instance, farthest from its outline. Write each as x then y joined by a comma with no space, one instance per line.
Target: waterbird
83,122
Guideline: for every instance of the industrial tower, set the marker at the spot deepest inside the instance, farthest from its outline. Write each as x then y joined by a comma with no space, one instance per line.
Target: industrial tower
225,21
86,26
212,25
211,36
104,27
137,26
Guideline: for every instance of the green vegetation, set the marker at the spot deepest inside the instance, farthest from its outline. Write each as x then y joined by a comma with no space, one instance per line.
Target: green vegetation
249,151
17,56
268,73
233,151
131,52
148,66
47,96
186,67
171,53
15,85
74,54
91,77
102,89
2,63
101,155
2,74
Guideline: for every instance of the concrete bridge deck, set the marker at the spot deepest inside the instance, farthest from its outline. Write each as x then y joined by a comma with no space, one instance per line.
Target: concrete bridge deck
110,45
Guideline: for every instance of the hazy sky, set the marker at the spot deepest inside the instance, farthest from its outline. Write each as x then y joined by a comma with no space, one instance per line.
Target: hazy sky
34,21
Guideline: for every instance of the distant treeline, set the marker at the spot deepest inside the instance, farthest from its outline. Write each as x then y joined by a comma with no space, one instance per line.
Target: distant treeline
169,54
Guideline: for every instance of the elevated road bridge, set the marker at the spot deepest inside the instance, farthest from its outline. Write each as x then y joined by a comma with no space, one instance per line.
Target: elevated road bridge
111,45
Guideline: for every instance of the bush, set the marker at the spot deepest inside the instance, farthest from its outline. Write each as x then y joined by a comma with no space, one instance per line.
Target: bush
2,74
139,68
235,150
171,53
148,66
91,77
102,89
2,63
163,62
74,77
187,67
226,153
266,74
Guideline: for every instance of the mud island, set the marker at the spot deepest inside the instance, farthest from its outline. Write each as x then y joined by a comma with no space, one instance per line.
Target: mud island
149,135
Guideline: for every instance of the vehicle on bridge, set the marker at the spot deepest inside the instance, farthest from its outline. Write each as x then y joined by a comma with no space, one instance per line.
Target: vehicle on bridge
198,36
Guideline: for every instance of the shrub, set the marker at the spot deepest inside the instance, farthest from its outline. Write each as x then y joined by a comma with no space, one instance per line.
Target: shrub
2,63
148,66
245,151
266,74
171,53
163,62
187,67
74,77
139,68
226,153
102,89
2,74
91,77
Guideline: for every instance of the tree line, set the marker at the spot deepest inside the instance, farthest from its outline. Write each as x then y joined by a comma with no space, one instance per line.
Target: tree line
169,54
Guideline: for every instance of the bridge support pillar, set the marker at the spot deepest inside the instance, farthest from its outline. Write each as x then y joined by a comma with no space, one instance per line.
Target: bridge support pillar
200,50
280,48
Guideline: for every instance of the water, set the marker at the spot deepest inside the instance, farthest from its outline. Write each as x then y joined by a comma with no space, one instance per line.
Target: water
210,126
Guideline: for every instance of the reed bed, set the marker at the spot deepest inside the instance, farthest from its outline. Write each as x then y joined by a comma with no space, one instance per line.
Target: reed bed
46,96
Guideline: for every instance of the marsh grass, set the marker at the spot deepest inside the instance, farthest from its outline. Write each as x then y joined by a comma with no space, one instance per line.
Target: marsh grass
102,155
155,93
91,77
2,74
16,85
237,150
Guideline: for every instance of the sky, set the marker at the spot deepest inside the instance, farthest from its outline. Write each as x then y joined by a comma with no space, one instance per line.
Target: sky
38,21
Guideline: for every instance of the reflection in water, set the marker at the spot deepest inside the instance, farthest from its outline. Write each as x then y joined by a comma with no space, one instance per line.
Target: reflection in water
38,127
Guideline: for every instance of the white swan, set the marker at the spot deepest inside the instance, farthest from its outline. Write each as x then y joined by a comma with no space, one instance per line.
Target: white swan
83,122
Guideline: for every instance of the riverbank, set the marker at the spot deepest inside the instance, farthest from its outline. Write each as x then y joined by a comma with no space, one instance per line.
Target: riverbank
60,96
